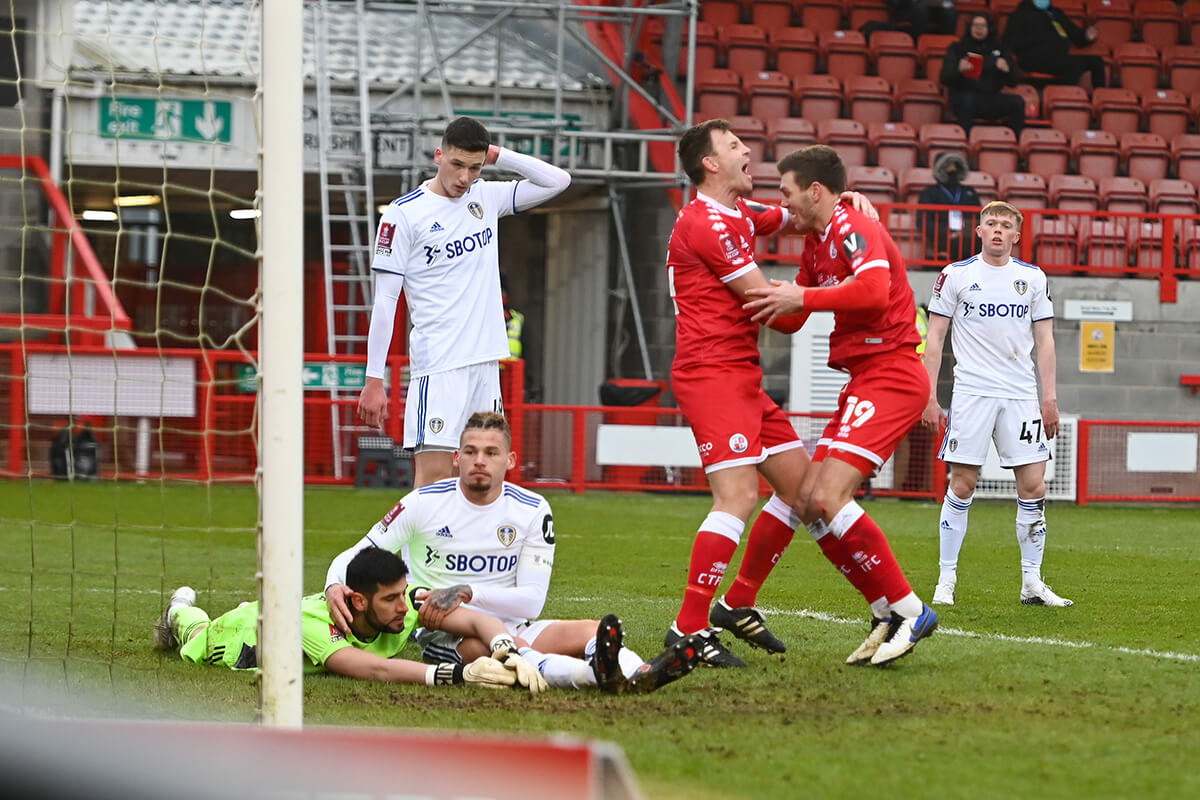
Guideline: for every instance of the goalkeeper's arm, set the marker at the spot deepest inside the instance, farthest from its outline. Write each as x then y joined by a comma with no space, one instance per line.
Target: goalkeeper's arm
355,663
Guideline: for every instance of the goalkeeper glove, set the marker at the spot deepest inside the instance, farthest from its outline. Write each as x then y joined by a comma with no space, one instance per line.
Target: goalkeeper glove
488,672
504,650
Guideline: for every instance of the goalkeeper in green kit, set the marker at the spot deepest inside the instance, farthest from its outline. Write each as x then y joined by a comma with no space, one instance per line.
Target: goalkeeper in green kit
382,619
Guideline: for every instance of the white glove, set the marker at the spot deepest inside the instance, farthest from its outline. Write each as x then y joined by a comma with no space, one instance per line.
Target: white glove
527,674
502,645
489,673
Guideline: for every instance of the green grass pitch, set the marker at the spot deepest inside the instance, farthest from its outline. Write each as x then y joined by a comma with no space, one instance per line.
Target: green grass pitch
1099,700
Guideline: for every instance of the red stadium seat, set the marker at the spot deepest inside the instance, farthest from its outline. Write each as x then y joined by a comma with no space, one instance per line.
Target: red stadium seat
771,14
1055,242
1146,242
1145,155
1073,193
788,134
720,13
877,183
1067,107
893,55
1102,243
847,136
931,48
1166,112
1113,20
844,53
860,12
821,15
993,149
1185,156
1181,62
718,93
1137,63
1023,189
1033,101
1044,151
765,176
817,96
706,48
1095,153
753,134
902,225
938,138
1116,110
794,51
1124,195
1160,22
745,49
770,95
894,145
983,184
1191,20
1173,196
868,99
913,181
919,102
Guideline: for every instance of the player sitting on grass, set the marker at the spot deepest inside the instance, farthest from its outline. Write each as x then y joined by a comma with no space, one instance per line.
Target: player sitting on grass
381,622
477,539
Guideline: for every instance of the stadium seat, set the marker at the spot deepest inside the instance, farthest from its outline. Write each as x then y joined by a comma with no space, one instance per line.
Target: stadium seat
718,93
1067,107
1123,195
753,134
1173,196
769,95
788,134
1095,153
844,53
1102,243
983,184
902,225
1159,21
993,149
1181,63
847,136
821,16
1023,189
1116,110
1055,242
745,49
1185,157
860,12
919,102
913,181
931,48
1146,242
794,51
877,183
893,145
1137,64
1113,20
817,96
1033,102
1145,156
893,55
771,14
868,99
1073,193
938,138
1191,21
720,13
765,177
706,48
1044,151
1166,112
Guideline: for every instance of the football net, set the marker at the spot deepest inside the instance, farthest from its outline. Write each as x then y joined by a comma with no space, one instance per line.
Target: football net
129,336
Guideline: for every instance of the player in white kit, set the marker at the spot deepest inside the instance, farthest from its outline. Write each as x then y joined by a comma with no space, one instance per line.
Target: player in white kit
489,544
1001,310
439,244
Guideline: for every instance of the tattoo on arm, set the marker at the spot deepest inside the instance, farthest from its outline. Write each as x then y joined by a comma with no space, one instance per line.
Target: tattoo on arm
448,598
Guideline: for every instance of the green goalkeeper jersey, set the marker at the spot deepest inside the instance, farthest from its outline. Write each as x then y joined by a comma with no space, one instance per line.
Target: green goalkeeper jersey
230,639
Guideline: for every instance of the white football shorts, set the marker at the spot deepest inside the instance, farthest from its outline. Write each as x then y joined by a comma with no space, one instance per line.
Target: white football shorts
437,647
438,406
1014,425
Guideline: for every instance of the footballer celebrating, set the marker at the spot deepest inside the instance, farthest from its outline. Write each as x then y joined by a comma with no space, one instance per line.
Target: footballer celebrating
1000,309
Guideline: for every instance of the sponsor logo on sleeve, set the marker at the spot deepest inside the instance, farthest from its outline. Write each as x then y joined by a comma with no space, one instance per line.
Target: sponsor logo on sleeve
391,515
386,231
855,246
937,285
334,634
731,249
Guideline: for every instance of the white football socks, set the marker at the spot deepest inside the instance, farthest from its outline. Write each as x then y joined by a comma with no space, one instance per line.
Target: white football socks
1031,536
952,527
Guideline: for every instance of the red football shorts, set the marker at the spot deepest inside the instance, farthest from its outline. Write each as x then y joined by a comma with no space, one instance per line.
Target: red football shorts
732,418
876,409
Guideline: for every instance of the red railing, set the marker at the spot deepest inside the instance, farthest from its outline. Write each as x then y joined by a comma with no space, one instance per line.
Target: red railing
1112,467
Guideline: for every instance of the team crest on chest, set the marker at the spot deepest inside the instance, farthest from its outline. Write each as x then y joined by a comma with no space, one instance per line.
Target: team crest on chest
476,210
436,424
1020,285
507,534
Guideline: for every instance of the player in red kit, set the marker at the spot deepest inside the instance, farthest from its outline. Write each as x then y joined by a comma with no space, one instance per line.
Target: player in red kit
717,381
851,267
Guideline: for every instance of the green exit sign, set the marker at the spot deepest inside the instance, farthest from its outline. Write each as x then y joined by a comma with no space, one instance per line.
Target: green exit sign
166,120
314,376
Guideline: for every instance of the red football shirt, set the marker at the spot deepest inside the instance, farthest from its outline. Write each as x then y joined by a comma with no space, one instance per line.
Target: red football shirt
850,245
710,246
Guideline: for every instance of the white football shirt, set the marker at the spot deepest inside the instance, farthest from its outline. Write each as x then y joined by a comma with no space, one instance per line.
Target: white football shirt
504,550
992,311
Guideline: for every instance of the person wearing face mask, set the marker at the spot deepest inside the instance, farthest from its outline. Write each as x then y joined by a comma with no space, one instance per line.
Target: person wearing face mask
1040,34
975,71
946,234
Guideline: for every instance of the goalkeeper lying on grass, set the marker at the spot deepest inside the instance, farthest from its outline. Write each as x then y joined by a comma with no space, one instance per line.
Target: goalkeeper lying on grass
381,623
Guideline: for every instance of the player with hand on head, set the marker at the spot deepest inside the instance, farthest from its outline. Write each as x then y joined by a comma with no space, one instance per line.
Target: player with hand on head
851,266
439,245
717,381
479,540
1000,309
380,624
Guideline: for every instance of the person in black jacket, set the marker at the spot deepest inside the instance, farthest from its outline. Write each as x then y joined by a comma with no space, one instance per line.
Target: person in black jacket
1039,34
975,70
948,234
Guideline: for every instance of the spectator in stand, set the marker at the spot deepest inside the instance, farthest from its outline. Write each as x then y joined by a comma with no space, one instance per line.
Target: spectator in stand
946,234
918,17
1039,34
975,71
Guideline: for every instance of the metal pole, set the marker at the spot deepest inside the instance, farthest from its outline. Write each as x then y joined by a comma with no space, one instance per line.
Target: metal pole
627,268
